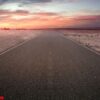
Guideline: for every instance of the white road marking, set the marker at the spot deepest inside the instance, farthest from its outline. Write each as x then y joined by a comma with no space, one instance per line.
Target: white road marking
13,47
81,45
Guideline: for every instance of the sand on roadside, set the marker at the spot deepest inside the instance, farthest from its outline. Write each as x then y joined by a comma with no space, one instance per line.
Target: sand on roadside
88,38
10,38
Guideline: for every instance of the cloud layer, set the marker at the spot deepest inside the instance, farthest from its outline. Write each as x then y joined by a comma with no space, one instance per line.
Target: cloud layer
49,13
25,1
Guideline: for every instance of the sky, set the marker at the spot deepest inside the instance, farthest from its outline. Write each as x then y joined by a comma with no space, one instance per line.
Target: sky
49,14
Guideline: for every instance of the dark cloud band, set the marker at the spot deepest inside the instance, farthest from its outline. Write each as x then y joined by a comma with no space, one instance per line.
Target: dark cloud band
25,1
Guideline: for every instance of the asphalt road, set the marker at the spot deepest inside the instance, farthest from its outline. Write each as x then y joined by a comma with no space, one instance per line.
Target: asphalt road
50,67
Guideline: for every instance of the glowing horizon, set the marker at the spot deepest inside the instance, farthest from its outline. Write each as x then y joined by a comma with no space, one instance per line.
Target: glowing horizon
49,13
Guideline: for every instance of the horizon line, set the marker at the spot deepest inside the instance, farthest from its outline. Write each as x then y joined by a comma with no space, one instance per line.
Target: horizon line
90,28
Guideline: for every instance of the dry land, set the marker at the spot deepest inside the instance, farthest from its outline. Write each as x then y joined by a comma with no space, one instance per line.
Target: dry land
88,38
10,38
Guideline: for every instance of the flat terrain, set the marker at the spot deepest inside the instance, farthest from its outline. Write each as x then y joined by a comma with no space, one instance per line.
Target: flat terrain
50,67
88,38
10,38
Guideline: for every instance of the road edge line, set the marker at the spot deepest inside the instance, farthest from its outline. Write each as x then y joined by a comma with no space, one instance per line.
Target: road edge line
14,46
93,51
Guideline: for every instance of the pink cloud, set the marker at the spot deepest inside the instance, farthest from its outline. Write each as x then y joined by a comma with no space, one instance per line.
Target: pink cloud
24,19
88,17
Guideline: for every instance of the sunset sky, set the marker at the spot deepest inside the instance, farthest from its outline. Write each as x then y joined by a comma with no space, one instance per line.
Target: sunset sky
49,13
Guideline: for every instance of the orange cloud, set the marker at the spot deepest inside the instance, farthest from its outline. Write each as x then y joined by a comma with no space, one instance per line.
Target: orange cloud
24,19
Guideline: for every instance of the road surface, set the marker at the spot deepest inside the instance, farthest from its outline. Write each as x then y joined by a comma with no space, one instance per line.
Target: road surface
50,67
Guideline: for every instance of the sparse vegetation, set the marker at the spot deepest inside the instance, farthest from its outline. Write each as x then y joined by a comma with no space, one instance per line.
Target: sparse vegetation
10,38
89,38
